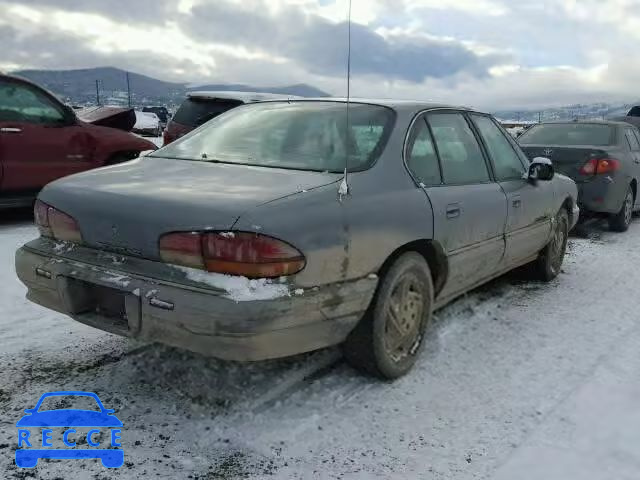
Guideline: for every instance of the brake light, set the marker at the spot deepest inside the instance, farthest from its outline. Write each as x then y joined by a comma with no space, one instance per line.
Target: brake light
240,253
56,224
600,166
41,217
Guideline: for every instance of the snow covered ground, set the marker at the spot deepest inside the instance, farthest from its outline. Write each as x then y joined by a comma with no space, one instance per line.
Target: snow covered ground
519,381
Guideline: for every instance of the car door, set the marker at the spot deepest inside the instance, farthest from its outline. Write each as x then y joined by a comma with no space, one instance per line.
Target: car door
469,207
38,141
530,206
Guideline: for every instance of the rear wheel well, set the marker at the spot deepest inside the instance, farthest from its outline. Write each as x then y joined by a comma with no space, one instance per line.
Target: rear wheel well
432,252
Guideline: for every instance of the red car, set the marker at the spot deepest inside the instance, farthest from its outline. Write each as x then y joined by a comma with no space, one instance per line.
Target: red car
41,140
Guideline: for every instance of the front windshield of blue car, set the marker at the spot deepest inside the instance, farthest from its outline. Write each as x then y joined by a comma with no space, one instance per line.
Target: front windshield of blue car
65,402
312,135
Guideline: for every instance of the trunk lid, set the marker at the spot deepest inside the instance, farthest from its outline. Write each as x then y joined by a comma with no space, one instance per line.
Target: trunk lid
125,208
567,160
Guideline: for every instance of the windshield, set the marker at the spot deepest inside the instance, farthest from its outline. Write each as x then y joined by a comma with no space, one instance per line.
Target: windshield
568,134
302,136
195,111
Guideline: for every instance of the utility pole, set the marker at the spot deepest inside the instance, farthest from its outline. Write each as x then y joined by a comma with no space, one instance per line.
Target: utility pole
128,90
539,117
97,92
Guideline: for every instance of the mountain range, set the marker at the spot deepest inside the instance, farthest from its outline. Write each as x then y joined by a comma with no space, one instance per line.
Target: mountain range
80,87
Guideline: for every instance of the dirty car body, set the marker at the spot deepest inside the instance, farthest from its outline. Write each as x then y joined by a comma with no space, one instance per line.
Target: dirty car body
113,275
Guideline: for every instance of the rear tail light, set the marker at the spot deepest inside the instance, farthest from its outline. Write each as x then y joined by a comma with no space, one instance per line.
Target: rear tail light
600,166
56,224
246,254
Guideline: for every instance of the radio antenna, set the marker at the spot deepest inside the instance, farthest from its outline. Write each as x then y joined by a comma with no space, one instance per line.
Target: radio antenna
344,185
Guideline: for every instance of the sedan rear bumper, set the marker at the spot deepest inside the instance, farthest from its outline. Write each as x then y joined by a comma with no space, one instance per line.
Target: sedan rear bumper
602,194
195,317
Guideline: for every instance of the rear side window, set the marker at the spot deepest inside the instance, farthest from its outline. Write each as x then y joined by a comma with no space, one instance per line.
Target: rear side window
506,161
569,134
632,139
19,103
195,111
460,154
422,159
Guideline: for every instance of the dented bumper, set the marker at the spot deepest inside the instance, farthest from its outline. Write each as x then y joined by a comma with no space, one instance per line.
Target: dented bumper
156,302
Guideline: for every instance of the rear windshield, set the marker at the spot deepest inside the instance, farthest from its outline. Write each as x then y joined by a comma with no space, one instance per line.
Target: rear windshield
195,111
302,136
569,134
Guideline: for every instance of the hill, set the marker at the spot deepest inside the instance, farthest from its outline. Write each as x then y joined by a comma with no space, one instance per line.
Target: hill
79,86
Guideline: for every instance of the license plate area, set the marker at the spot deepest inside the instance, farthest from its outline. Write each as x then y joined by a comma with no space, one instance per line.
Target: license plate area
104,307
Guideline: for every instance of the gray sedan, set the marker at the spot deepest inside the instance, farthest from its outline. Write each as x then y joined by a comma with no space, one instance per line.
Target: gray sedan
285,227
602,157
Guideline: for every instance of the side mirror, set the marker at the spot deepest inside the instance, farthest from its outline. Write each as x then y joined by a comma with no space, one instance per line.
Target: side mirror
540,169
70,115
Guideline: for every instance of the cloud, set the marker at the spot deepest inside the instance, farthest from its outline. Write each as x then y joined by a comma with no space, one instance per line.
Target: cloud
488,53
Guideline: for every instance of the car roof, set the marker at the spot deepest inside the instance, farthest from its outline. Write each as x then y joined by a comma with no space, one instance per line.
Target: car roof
407,106
246,97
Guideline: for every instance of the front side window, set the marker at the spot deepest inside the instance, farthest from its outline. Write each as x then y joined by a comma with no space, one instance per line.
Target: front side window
422,159
460,154
19,103
296,135
506,161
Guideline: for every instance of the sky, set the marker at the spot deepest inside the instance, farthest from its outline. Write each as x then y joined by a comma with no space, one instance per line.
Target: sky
489,54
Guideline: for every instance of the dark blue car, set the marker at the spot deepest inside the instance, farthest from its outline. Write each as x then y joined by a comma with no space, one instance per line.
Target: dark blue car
28,456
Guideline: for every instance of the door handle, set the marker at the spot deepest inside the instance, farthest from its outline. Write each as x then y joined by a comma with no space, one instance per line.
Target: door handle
10,130
453,210
517,203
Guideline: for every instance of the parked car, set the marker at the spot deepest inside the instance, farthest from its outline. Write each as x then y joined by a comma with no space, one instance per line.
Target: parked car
41,139
200,107
161,112
248,241
147,124
602,157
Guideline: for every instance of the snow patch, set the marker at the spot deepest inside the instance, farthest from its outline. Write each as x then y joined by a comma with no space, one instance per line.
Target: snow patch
151,293
344,188
63,246
136,292
228,235
299,291
238,289
117,279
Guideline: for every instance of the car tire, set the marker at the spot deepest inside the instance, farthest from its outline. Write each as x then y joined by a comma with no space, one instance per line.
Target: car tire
620,221
388,339
549,262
